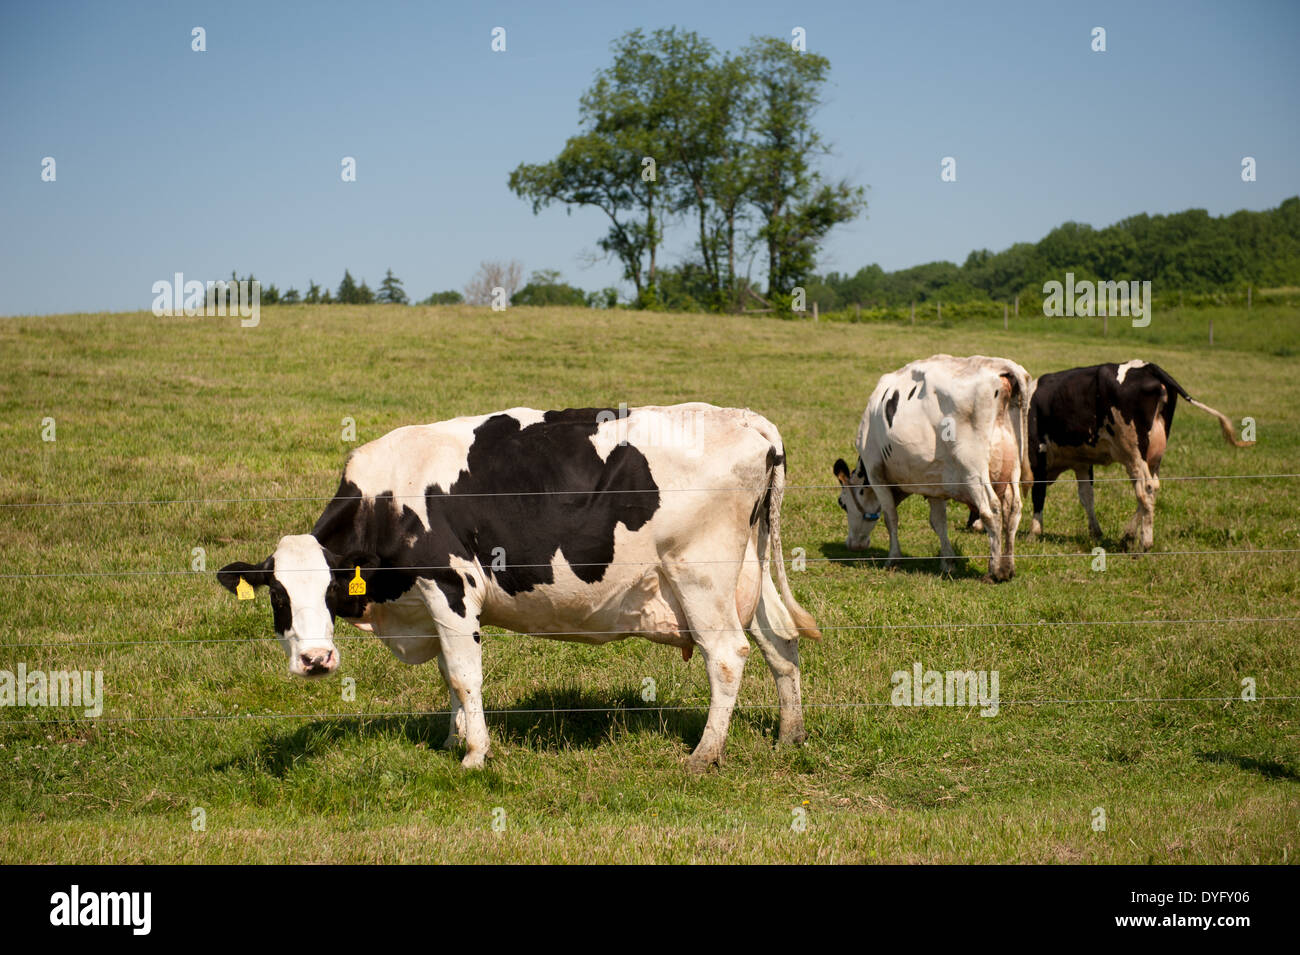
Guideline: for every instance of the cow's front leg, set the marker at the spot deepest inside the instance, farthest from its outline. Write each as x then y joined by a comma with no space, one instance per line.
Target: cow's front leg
888,504
939,523
461,662
1084,477
1038,494
456,732
460,659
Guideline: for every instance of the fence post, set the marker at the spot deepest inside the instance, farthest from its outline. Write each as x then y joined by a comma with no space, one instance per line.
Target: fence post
1004,316
1248,291
857,310
939,310
1211,333
1017,306
914,313
815,316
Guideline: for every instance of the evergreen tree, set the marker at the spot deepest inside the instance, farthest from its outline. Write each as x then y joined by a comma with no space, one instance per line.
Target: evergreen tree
347,293
390,290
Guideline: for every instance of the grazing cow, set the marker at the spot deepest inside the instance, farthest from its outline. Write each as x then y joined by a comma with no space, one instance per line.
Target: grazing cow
1106,414
948,429
589,525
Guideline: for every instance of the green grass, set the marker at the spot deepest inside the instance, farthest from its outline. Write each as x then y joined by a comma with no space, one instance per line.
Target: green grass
168,409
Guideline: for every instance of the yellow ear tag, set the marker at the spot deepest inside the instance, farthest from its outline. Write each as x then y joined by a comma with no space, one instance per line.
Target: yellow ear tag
357,586
244,590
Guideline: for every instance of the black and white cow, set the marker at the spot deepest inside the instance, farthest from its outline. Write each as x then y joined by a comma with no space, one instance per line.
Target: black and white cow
575,525
948,429
1106,414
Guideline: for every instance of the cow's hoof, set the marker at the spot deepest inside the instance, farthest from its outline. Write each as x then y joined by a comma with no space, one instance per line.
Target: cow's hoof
452,741
474,760
1036,529
947,568
794,735
1095,533
702,764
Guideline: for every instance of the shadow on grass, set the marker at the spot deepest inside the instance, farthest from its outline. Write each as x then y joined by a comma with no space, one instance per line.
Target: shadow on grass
548,720
1268,768
968,568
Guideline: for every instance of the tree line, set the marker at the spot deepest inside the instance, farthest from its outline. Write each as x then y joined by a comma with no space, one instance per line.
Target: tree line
1188,251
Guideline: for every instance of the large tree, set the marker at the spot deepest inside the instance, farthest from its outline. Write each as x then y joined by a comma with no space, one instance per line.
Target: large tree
796,206
674,130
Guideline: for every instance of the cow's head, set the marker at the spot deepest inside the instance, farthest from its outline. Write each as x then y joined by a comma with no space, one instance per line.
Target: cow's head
309,588
858,499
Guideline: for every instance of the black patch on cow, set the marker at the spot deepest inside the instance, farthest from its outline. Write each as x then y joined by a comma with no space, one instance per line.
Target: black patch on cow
890,407
493,509
478,637
910,393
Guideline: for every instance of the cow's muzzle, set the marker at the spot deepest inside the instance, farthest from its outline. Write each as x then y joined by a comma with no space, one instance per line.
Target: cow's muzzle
319,662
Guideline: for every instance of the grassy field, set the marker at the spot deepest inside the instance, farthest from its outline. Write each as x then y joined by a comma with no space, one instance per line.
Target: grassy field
200,712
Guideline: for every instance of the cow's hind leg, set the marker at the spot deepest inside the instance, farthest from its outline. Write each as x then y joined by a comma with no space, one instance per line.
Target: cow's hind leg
992,516
775,633
716,629
1141,528
1011,509
1084,477
939,523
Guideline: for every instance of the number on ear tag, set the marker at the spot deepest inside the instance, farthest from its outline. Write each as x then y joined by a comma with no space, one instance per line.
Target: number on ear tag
357,586
244,590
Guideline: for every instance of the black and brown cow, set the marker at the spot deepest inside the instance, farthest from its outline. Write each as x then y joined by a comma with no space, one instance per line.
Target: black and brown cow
587,525
1106,414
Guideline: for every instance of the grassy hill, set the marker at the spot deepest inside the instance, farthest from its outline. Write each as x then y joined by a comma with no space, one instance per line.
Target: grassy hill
234,436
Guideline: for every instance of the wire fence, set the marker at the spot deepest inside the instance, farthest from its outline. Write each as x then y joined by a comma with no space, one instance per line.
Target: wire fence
583,493
495,566
841,628
648,709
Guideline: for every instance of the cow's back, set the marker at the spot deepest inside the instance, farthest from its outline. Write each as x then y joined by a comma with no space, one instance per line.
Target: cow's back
944,413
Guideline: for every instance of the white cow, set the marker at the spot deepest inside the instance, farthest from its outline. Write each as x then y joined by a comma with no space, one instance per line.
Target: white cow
948,429
588,524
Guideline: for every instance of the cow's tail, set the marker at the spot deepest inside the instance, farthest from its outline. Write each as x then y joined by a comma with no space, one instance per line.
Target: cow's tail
803,620
1229,434
1021,388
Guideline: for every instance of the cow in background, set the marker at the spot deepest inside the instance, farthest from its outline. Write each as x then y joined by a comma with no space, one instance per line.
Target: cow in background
1106,414
948,429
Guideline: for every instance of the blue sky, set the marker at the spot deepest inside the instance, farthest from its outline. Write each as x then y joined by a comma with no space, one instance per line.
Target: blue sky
170,160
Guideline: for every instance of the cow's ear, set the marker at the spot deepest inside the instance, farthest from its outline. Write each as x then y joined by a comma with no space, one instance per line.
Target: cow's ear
841,471
346,565
256,574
